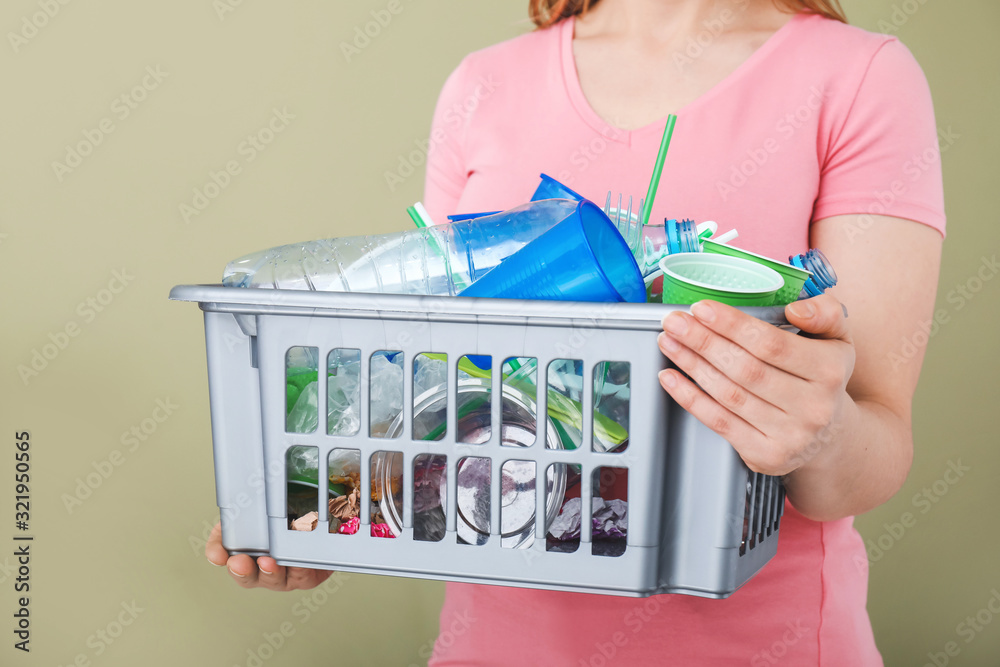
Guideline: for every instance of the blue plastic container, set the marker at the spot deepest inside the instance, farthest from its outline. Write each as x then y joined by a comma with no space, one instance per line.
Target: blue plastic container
583,258
550,188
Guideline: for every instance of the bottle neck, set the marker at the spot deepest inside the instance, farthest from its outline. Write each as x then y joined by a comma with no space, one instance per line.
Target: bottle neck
823,275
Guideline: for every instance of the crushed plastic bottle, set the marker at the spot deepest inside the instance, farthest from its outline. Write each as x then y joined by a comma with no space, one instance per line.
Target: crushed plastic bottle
441,260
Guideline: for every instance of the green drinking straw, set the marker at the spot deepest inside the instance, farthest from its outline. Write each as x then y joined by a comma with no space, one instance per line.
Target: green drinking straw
661,157
412,211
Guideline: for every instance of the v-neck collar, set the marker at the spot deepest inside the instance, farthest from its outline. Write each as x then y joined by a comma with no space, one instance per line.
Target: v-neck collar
579,101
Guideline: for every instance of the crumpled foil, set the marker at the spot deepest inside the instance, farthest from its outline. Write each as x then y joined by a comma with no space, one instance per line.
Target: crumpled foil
609,519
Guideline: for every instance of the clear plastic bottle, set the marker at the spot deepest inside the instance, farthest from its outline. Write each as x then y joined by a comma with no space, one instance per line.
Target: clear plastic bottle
650,243
440,260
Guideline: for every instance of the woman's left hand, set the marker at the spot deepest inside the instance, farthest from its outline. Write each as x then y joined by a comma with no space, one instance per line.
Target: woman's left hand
777,397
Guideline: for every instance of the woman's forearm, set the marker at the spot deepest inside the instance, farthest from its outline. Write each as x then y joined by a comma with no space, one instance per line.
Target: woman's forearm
856,465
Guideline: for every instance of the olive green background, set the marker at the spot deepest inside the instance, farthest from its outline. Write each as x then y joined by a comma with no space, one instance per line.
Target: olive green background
138,536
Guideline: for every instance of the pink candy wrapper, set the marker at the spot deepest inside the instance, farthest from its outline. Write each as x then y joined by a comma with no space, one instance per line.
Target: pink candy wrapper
381,530
350,526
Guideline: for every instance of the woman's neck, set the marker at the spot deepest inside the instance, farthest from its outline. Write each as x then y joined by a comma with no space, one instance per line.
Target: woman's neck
632,56
662,22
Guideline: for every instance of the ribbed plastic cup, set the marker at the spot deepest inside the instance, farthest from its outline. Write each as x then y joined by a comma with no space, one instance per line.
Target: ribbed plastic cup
550,188
583,258
689,277
793,276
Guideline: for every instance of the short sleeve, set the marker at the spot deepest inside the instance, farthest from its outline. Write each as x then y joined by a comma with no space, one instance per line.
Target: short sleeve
885,159
446,173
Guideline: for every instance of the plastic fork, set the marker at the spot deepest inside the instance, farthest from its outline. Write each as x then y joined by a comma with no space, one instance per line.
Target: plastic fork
629,227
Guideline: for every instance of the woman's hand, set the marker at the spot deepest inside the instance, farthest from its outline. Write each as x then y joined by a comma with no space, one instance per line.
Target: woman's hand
262,572
777,397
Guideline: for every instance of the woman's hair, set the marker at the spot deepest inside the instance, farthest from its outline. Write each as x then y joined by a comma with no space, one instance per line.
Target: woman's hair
547,12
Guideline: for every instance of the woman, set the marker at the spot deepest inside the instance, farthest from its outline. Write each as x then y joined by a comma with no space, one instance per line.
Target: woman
800,131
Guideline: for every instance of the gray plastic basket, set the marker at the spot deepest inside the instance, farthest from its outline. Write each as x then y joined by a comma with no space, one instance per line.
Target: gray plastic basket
699,521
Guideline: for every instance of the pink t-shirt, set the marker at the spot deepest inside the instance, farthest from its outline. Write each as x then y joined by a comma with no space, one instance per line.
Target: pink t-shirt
824,119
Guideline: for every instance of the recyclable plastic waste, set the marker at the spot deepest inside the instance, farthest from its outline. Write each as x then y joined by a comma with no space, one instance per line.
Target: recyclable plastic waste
434,260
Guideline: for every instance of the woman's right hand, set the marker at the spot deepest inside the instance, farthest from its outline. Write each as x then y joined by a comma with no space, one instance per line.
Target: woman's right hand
261,572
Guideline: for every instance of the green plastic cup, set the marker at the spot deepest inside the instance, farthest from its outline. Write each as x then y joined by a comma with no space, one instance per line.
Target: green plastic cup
689,277
793,276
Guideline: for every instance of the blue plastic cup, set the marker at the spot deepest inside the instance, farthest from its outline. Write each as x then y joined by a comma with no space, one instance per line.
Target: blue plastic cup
475,247
550,188
583,258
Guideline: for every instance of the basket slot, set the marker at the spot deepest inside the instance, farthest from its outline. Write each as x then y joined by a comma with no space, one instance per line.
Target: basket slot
768,509
429,518
474,400
302,389
343,472
386,498
301,497
780,501
342,416
752,517
758,507
745,528
477,522
611,484
567,390
612,383
518,481
561,543
387,370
